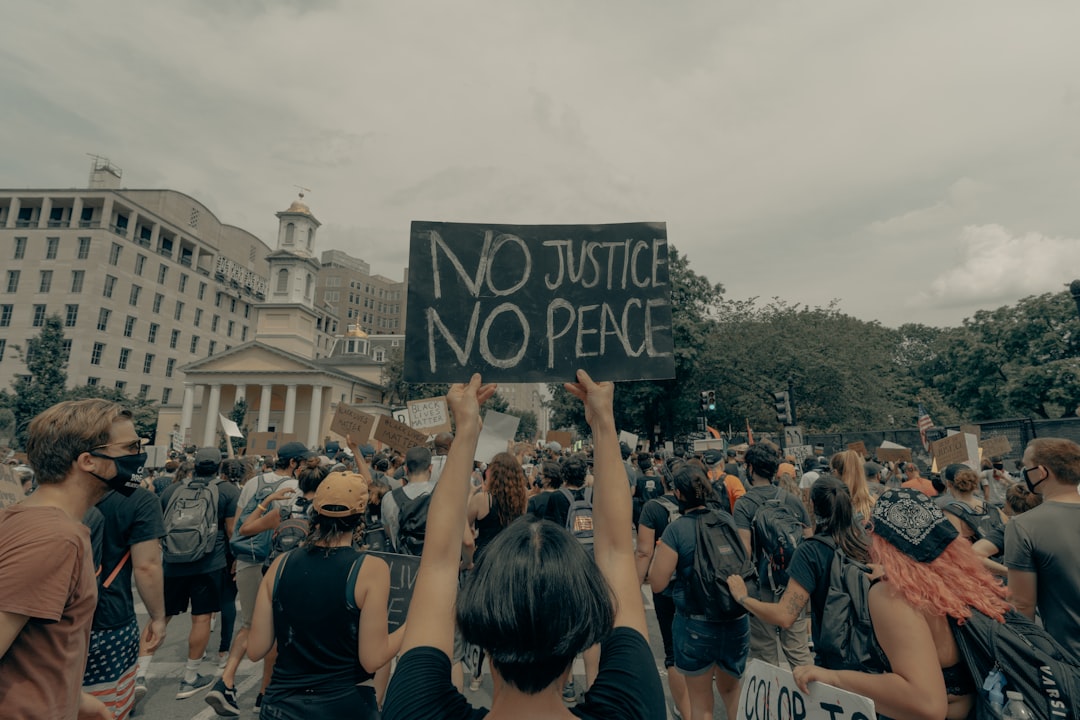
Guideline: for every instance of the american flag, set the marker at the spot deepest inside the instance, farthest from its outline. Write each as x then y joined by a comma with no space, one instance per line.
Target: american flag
924,423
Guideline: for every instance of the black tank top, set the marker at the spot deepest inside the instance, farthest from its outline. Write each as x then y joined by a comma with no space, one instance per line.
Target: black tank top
488,526
316,623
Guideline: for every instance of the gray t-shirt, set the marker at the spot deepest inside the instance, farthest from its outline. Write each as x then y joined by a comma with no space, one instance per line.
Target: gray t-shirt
390,508
1046,541
248,491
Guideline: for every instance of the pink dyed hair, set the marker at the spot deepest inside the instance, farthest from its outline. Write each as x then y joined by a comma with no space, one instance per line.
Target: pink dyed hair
951,584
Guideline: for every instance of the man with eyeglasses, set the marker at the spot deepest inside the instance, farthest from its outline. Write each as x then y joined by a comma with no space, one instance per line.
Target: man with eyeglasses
1042,545
78,450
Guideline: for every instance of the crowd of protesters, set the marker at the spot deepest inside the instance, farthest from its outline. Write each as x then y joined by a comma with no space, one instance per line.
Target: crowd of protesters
536,557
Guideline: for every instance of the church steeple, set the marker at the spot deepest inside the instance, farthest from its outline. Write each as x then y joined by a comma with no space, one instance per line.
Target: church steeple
289,319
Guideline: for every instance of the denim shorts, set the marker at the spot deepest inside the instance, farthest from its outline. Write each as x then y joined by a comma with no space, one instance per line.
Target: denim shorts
700,644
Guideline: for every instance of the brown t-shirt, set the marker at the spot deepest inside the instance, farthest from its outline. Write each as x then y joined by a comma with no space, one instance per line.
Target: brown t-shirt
46,573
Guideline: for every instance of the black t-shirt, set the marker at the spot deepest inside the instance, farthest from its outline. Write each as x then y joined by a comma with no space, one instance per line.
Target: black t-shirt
655,516
538,503
128,521
810,566
558,506
228,494
627,685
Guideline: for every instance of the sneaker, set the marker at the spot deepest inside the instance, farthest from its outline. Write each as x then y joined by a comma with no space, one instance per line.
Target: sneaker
223,699
569,693
140,692
222,660
187,689
474,684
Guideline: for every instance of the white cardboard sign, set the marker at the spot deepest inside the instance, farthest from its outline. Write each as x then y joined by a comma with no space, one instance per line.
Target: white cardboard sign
770,693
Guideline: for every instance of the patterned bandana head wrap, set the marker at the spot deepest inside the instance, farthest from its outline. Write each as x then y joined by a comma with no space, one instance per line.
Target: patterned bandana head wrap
910,521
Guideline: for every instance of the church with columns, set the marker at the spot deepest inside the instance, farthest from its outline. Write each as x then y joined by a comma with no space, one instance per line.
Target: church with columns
296,370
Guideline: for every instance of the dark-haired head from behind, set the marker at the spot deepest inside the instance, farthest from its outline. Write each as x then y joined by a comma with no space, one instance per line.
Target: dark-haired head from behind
534,600
693,486
834,516
763,459
574,470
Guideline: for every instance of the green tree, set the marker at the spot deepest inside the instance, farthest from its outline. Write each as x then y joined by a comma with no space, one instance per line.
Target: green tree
44,384
238,415
1020,360
144,412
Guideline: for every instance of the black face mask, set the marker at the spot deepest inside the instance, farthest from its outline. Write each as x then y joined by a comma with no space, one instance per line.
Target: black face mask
129,471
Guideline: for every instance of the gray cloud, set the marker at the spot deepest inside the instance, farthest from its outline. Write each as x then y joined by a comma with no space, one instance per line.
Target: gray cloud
811,151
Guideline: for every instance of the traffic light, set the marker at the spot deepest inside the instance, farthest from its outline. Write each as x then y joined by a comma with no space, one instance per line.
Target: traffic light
711,396
704,404
783,407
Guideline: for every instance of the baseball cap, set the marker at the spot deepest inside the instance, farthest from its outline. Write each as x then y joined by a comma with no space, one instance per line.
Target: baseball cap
711,457
207,460
294,451
554,446
341,494
786,469
872,469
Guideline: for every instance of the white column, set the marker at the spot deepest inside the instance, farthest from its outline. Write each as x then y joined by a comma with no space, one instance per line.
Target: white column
13,211
76,211
240,394
189,408
290,408
212,409
315,418
46,208
264,408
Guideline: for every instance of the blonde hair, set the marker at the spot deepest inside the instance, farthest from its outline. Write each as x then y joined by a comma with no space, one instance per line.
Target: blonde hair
848,466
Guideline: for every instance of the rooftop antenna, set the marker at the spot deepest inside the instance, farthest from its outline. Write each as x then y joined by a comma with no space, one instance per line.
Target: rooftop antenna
100,168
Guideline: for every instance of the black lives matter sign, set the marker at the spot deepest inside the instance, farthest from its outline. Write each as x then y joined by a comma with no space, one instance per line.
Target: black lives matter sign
528,303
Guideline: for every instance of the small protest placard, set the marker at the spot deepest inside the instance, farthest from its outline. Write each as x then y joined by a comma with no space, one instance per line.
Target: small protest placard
352,421
11,490
770,693
949,450
800,452
496,435
629,438
533,303
267,443
859,447
560,436
995,446
230,427
892,452
429,415
398,435
970,430
403,570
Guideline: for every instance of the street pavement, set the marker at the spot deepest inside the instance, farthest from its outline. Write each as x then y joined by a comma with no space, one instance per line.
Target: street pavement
163,677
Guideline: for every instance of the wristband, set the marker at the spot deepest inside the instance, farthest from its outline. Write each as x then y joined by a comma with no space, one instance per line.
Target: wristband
260,506
742,600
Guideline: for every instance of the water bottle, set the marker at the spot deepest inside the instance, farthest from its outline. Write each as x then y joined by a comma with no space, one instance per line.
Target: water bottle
1015,708
994,685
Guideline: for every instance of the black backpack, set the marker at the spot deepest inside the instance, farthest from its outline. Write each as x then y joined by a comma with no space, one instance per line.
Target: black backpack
1032,662
775,531
986,526
579,518
412,521
846,637
292,532
718,554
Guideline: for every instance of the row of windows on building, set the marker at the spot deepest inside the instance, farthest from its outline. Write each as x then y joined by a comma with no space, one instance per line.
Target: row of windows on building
125,355
334,296
381,293
45,276
71,316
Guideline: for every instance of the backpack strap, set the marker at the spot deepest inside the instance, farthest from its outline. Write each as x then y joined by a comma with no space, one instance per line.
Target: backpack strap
588,495
116,570
350,582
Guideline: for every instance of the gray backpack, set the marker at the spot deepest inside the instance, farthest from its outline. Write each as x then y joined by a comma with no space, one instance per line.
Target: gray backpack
191,522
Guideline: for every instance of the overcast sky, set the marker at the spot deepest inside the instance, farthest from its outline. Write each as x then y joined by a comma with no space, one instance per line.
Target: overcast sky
915,160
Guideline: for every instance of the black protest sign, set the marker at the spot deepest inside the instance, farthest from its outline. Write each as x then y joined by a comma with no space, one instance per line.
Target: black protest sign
403,570
528,303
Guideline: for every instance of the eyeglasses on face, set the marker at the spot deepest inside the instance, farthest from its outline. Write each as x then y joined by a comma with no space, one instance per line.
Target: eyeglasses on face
131,447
